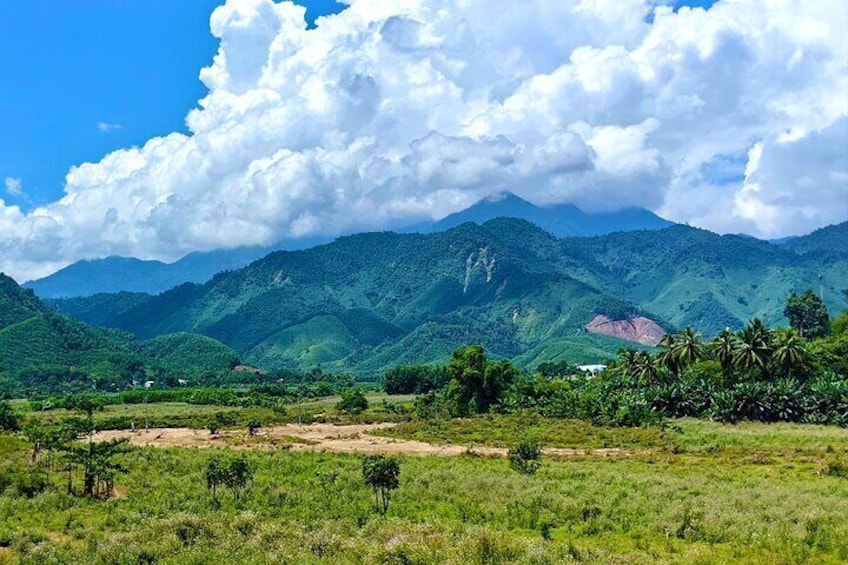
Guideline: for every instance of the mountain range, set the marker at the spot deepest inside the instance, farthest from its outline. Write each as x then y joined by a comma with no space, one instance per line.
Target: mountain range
368,301
117,274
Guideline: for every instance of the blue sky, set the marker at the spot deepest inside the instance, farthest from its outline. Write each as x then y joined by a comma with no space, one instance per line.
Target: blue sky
69,67
91,76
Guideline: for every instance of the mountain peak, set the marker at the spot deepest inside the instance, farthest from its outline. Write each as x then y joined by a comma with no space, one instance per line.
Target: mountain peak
562,220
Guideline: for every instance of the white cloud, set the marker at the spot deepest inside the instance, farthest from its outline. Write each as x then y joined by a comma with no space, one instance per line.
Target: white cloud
14,186
391,111
106,127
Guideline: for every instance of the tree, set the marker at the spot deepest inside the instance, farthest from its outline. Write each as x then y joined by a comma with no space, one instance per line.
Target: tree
9,421
525,457
790,355
647,370
382,474
723,348
239,475
754,351
629,359
353,402
235,475
96,459
807,314
668,355
688,348
476,383
215,475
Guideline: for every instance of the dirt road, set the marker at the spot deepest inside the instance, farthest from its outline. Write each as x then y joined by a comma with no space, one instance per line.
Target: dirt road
321,437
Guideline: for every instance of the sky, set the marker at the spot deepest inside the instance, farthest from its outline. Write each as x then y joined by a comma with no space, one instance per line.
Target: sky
157,128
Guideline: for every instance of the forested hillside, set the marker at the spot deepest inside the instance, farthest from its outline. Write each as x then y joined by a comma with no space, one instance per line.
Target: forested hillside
368,301
41,350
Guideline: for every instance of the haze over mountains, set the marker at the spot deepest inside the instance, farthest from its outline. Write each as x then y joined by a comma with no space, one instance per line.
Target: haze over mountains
369,301
116,274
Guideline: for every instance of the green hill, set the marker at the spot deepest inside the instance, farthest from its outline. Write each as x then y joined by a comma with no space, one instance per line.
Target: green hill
43,351
368,301
372,300
187,354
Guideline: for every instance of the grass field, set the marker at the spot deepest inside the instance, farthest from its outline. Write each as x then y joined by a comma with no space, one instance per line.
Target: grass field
693,492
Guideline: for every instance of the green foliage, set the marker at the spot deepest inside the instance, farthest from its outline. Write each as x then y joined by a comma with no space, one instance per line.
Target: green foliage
9,421
807,314
526,457
382,475
353,402
476,383
557,369
236,474
414,379
187,355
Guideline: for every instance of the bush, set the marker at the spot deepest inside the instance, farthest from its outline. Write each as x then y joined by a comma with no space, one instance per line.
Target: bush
525,457
9,421
352,402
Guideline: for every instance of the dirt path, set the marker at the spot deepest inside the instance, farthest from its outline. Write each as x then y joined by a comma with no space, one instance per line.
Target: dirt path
321,437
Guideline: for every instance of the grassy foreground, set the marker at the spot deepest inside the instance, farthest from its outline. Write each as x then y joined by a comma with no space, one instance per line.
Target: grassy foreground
695,492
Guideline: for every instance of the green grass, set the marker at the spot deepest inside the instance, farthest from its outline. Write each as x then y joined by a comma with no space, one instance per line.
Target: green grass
680,435
447,510
692,492
180,414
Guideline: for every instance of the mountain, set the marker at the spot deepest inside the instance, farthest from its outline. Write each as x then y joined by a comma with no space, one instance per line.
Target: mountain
371,300
368,301
127,274
562,220
43,351
117,274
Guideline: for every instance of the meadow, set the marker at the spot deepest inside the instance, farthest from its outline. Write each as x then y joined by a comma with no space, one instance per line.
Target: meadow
690,491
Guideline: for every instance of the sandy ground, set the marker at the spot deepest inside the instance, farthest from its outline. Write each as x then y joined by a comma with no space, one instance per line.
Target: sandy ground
321,437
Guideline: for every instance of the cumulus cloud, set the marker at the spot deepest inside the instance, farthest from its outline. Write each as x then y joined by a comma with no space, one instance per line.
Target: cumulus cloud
393,111
14,186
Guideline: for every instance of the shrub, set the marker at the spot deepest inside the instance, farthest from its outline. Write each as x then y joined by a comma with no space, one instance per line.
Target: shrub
9,421
352,402
525,457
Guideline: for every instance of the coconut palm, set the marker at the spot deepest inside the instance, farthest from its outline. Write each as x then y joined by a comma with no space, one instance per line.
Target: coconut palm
629,359
667,356
647,370
754,351
790,355
688,347
723,348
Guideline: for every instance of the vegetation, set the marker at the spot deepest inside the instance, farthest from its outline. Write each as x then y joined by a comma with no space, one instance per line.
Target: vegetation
807,314
684,496
382,475
353,402
520,292
525,457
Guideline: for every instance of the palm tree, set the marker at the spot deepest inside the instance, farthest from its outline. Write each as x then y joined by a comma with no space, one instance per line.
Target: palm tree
723,348
688,347
790,354
647,370
667,356
754,351
629,359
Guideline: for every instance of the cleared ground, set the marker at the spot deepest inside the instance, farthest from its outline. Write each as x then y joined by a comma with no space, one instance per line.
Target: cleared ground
354,438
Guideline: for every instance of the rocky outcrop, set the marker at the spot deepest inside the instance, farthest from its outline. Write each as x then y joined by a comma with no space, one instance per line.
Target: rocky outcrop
638,330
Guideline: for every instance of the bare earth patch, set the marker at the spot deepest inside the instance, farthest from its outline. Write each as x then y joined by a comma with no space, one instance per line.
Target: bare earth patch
321,437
